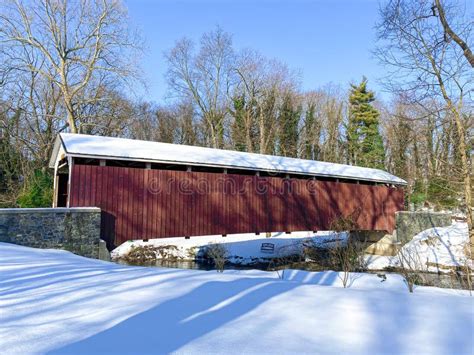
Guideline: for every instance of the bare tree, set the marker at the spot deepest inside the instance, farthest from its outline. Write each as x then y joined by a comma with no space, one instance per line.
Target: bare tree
74,44
439,6
421,147
427,64
312,126
247,99
205,78
108,113
263,83
331,111
323,125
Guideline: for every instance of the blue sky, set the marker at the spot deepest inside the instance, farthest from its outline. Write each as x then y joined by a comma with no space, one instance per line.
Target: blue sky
328,41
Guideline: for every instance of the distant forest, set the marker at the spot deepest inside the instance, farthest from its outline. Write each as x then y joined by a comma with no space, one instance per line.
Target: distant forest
69,66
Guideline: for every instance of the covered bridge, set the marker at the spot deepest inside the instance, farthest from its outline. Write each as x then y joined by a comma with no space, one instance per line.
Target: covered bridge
158,190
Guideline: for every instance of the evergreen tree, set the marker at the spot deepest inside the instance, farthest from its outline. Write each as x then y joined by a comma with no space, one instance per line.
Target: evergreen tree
38,191
10,159
364,142
238,127
310,126
267,123
244,130
402,132
288,123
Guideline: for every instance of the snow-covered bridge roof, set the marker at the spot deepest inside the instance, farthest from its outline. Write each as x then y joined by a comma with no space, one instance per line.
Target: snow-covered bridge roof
81,145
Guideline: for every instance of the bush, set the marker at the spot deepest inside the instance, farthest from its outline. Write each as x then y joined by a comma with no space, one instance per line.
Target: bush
148,253
320,254
442,192
411,267
343,224
417,198
348,257
341,253
217,253
286,256
38,191
418,195
141,254
346,223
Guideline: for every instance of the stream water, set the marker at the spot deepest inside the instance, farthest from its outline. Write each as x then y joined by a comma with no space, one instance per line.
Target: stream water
429,279
193,265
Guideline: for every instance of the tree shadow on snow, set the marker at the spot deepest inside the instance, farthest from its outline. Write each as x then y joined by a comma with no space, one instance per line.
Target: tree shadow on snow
325,278
176,322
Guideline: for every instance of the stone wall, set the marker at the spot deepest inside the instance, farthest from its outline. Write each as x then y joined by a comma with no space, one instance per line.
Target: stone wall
408,224
74,229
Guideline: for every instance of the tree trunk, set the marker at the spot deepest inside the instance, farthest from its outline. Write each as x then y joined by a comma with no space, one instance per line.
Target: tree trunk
70,120
263,148
466,175
248,132
448,30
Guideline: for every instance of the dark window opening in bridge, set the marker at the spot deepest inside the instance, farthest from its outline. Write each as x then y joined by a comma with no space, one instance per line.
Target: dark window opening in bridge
86,161
125,164
164,166
326,178
207,169
348,181
272,174
301,177
241,172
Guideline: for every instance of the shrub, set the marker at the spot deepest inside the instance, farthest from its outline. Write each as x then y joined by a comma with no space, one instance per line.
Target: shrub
343,224
38,191
411,266
217,253
418,195
348,257
319,254
417,198
148,253
346,223
442,192
286,256
141,254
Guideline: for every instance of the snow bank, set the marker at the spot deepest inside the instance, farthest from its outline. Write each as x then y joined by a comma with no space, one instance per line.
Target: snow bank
54,301
242,248
439,249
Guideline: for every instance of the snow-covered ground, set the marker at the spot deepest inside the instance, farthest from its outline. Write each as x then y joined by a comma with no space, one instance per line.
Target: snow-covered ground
438,249
245,248
54,301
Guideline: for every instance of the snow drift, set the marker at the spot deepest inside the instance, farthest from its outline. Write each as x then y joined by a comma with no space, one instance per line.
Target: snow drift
54,301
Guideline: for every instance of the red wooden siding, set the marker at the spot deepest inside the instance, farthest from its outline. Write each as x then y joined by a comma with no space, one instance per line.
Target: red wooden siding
139,203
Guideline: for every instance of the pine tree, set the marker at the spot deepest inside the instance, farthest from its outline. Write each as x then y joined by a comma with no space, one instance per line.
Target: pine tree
364,142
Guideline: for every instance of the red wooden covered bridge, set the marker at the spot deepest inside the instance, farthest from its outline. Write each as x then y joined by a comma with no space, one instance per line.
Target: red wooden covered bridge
158,190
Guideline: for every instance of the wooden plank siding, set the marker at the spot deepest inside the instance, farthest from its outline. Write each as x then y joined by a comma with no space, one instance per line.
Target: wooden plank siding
142,204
